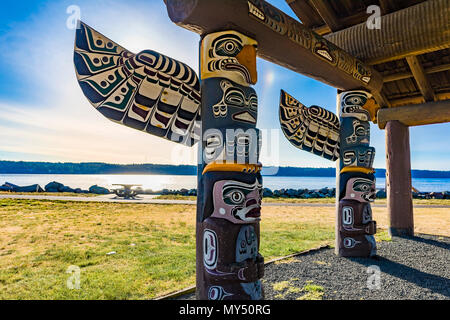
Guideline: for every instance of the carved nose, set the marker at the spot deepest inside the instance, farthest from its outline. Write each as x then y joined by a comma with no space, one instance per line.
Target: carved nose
247,57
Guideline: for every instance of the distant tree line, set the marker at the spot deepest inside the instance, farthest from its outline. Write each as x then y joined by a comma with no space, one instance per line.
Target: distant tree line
25,167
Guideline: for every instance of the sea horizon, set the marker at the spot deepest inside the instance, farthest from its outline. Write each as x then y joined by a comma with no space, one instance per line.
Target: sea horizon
157,182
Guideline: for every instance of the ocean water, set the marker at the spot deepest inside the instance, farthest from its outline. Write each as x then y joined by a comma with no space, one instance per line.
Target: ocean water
159,182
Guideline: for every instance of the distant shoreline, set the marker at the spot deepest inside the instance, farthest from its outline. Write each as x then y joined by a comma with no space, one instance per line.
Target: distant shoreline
25,167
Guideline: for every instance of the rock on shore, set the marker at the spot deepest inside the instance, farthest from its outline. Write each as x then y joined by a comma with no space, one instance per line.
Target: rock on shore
267,193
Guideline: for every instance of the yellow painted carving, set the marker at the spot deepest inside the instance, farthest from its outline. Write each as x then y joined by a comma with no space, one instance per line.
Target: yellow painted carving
230,55
233,167
372,107
357,169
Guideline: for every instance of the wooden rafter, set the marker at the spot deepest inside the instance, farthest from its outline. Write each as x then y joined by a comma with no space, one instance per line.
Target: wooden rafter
416,99
387,6
421,78
305,12
406,75
327,13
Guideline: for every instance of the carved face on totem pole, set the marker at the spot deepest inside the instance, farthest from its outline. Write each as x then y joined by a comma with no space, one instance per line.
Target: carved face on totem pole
354,133
358,156
237,98
238,202
231,55
358,104
360,189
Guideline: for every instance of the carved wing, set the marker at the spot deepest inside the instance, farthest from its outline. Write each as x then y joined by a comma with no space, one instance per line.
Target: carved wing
312,129
146,91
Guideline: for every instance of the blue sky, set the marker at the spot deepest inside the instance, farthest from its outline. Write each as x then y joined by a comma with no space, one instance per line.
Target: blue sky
45,117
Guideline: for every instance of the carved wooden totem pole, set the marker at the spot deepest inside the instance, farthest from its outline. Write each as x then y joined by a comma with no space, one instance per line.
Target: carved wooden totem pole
319,131
161,96
230,186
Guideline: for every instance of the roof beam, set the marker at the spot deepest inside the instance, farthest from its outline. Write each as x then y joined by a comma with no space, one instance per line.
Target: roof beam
327,14
421,78
416,115
304,12
427,25
281,40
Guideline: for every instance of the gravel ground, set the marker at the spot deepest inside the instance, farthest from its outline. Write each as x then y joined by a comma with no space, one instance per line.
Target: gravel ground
410,268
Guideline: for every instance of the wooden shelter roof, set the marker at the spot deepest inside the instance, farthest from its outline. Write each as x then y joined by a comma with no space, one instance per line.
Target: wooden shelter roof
421,75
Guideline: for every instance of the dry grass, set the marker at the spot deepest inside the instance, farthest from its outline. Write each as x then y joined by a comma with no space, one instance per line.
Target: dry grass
154,245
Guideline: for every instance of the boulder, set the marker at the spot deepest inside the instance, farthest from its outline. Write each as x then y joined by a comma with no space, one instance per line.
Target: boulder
6,188
291,193
32,188
15,188
381,194
98,190
67,189
267,192
54,187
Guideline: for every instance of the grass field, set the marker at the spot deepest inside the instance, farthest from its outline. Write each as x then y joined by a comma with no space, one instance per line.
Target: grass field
445,202
154,245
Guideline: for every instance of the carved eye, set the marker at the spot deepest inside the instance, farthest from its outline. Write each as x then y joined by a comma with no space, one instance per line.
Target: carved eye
229,47
253,102
355,100
236,196
234,98
360,131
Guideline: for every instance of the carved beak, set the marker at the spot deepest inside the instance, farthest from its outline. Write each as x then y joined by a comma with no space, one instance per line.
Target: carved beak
372,107
247,58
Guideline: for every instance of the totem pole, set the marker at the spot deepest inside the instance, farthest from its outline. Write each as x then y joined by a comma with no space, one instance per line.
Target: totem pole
229,265
161,96
356,182
321,132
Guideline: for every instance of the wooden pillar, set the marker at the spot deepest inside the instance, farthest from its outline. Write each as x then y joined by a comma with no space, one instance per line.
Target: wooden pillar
398,179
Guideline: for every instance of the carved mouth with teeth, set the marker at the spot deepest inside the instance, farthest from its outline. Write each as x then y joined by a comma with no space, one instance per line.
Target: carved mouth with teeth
251,211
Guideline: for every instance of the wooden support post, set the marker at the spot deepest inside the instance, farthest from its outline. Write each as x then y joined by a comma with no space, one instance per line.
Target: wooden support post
398,179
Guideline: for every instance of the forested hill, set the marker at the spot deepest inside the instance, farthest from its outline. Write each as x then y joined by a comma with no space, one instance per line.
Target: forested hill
23,167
